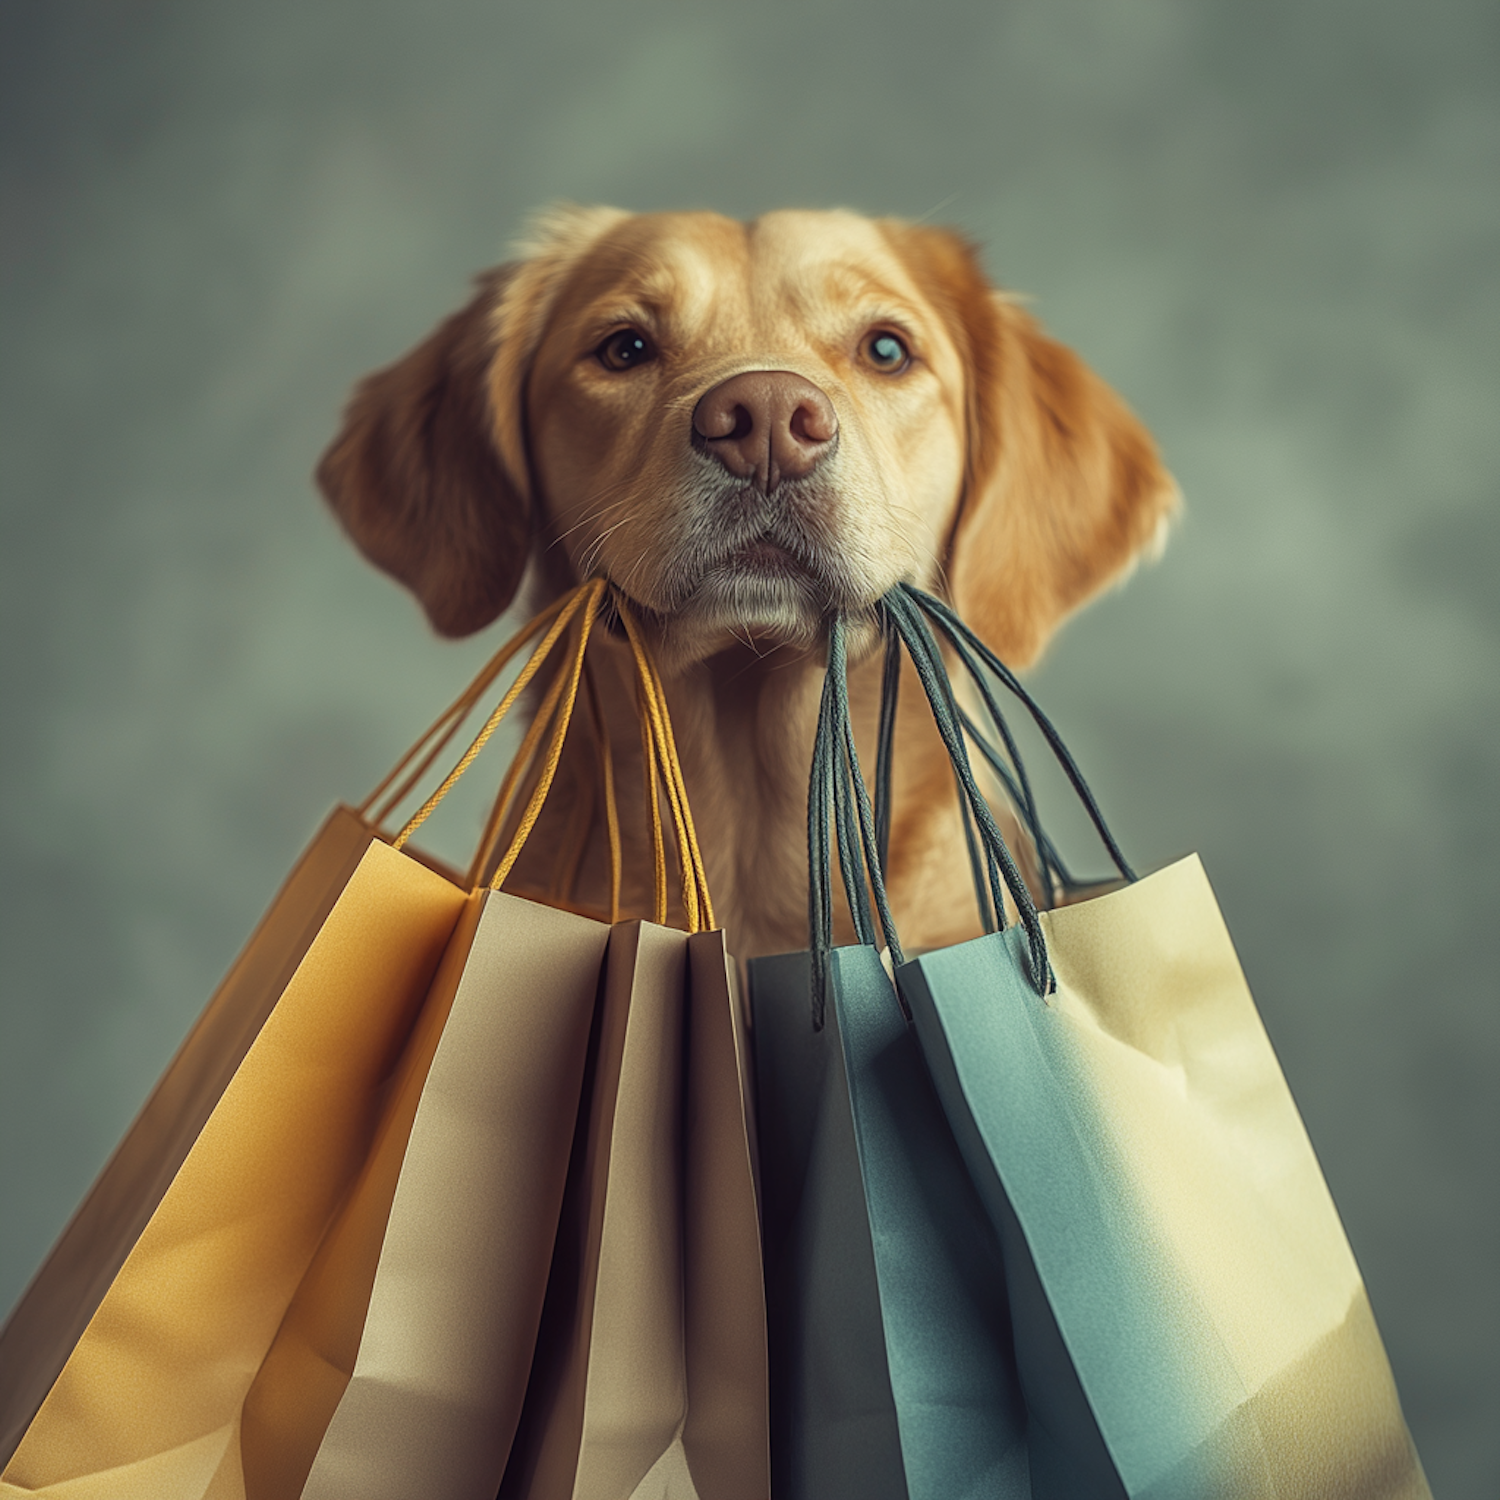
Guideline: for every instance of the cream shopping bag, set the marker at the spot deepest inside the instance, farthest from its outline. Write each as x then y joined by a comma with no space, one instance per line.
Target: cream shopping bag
660,1360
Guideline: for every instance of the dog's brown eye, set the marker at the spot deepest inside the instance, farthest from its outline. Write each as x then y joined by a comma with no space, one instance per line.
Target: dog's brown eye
625,350
886,352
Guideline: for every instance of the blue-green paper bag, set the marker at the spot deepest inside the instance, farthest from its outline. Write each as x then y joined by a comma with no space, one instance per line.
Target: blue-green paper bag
891,1369
1190,1321
1134,1139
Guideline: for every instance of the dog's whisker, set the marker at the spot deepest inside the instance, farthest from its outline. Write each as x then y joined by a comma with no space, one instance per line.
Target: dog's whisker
597,545
597,513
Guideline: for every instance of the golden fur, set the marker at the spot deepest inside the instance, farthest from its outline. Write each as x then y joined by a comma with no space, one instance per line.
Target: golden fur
994,467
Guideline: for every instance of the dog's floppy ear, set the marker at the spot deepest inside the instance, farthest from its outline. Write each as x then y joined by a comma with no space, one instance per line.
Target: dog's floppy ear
429,473
416,478
1064,488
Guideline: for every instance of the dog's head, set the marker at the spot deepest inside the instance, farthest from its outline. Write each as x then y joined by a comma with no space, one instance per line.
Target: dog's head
746,426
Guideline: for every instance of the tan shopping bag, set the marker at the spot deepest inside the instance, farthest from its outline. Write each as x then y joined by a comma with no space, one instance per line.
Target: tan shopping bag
651,1376
671,1243
725,1434
445,1349
234,1261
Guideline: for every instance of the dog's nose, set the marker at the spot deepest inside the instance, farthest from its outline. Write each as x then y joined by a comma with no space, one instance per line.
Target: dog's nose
766,426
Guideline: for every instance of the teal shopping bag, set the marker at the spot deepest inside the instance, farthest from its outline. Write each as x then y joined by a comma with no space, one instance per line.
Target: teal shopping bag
1190,1323
892,1374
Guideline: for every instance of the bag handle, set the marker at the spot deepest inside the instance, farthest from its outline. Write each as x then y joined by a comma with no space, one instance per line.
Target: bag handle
438,735
968,646
565,875
661,766
524,770
583,600
999,866
839,812
652,698
571,618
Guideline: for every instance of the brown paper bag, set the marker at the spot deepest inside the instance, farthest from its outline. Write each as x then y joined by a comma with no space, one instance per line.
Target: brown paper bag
650,1378
66,1292
622,1398
725,1435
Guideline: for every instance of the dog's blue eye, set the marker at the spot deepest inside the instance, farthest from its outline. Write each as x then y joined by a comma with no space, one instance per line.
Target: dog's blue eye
887,353
625,350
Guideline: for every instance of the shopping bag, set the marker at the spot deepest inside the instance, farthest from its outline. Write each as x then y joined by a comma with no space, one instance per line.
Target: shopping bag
444,1349
152,1396
892,1370
1190,1321
66,1292
726,1432
148,1401
662,1370
650,1378
620,1387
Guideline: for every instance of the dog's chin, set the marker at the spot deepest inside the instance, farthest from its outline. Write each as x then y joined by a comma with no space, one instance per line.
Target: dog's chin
764,599
764,612
775,602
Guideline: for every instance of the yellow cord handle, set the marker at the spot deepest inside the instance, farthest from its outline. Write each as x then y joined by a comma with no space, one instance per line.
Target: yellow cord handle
521,765
563,617
697,906
573,616
451,719
562,718
611,806
653,802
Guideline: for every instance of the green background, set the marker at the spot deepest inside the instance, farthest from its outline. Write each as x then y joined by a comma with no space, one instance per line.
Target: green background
1275,226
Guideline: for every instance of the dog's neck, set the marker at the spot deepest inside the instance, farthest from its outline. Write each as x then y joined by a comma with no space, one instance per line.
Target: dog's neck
744,724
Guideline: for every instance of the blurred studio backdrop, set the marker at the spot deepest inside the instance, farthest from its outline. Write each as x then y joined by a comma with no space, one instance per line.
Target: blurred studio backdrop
1273,225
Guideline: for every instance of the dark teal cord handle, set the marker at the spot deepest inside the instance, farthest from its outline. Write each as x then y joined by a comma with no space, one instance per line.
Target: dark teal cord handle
839,810
965,641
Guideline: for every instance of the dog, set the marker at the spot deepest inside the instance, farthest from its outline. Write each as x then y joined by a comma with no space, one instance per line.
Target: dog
747,426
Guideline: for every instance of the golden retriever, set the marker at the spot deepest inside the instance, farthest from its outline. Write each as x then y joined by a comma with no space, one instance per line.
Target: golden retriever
746,426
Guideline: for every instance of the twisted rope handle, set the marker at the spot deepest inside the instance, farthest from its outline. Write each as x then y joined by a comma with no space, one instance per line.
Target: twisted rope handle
573,617
968,646
839,810
1000,865
448,723
839,814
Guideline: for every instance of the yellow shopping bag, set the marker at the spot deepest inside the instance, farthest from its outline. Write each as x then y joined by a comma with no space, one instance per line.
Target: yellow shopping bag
234,1315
